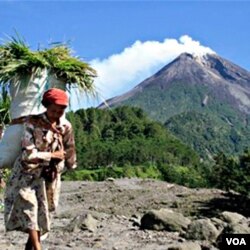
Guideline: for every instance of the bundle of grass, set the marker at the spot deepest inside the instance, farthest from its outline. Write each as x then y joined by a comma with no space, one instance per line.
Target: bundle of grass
17,61
27,74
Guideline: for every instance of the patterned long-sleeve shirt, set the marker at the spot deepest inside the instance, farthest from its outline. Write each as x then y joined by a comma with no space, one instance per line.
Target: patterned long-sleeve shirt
40,139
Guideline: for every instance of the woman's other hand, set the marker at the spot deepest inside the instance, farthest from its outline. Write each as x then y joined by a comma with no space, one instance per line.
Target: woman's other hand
2,183
60,155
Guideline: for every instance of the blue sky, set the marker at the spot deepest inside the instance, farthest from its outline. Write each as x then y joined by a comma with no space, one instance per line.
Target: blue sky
127,41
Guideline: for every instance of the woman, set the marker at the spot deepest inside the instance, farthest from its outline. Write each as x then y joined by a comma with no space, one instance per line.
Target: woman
47,149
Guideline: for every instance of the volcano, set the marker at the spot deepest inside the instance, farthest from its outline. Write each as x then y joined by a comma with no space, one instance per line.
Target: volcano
205,93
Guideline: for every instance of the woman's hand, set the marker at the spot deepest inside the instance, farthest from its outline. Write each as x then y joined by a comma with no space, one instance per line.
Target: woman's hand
60,155
2,183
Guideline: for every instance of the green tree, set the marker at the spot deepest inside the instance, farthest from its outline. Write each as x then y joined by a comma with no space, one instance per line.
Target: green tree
244,165
231,172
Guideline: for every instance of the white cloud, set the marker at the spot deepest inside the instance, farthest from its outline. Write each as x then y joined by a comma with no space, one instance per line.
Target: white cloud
121,72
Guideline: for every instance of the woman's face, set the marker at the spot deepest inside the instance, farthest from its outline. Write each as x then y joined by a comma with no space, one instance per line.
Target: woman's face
54,112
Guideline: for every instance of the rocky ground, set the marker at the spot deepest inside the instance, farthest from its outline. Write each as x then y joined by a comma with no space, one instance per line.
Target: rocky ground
107,215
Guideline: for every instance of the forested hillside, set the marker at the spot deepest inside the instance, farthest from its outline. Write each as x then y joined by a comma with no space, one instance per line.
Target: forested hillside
124,141
210,134
125,135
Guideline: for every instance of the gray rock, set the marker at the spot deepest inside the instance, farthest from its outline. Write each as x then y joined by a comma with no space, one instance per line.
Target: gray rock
232,218
164,219
82,222
185,246
202,229
110,179
236,223
237,228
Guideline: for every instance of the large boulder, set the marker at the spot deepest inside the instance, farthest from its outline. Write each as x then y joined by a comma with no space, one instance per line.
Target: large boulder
164,219
202,229
231,218
236,223
237,228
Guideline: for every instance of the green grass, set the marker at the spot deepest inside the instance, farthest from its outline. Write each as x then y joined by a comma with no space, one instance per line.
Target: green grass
18,60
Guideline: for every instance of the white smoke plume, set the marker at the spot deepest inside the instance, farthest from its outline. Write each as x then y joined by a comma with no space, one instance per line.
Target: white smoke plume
121,72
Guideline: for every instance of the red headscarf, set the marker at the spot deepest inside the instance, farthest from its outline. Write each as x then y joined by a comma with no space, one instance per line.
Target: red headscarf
55,96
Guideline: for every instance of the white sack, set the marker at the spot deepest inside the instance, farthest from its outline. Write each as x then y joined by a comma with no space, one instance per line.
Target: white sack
10,145
26,96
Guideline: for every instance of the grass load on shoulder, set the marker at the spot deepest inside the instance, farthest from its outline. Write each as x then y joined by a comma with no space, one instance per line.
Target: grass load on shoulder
17,60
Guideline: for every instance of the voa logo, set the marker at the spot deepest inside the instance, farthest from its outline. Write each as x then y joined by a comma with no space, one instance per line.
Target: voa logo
236,241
